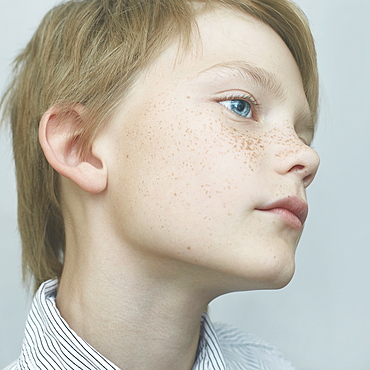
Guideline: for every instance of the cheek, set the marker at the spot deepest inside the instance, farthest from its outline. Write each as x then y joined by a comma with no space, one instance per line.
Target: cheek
245,144
183,174
195,152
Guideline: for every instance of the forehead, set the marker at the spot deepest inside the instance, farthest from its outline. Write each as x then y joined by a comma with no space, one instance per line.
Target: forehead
223,34
229,42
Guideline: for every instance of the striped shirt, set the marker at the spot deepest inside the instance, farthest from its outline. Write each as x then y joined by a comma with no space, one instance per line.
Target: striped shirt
50,343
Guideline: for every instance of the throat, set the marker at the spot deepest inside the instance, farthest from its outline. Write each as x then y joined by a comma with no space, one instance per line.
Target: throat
132,327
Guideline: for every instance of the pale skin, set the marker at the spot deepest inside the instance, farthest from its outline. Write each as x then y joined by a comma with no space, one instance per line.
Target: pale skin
164,215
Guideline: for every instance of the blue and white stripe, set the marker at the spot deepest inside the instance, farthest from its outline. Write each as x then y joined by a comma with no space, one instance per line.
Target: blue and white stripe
50,343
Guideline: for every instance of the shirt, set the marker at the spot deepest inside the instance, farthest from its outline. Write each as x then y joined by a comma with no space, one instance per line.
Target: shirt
49,343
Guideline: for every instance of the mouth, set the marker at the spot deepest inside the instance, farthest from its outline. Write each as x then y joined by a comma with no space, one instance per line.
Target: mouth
293,210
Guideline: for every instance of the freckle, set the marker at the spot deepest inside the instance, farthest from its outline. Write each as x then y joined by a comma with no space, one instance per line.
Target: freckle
127,156
188,97
188,248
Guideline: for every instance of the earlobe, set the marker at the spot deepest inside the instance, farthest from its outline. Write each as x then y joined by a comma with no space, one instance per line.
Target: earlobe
59,139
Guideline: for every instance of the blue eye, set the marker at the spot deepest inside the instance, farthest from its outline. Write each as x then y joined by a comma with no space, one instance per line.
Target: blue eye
239,106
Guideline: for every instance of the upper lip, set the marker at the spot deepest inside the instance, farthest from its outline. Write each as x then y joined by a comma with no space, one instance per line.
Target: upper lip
293,204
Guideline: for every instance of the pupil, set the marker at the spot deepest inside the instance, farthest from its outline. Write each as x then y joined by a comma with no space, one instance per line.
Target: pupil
241,106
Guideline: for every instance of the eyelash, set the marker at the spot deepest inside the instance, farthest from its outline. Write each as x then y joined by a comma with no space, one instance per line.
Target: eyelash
247,97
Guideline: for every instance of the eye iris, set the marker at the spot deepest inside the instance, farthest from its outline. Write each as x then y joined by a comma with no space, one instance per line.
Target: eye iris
240,107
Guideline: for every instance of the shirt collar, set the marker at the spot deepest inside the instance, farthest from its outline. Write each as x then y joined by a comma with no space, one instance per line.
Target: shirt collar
209,354
51,343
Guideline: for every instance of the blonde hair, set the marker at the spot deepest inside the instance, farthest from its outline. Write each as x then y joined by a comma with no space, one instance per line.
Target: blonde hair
89,52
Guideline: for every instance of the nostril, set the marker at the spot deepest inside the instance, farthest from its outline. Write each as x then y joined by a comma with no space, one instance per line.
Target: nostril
297,168
304,173
308,180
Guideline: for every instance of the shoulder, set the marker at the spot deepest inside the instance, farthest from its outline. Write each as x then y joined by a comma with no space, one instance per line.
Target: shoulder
242,349
12,366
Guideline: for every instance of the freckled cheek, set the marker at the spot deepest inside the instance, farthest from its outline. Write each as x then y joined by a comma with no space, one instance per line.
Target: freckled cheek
196,153
285,142
245,145
188,172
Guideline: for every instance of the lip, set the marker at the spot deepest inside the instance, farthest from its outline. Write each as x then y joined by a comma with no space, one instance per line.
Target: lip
292,209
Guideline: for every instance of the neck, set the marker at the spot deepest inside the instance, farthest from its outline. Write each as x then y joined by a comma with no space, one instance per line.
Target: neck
138,313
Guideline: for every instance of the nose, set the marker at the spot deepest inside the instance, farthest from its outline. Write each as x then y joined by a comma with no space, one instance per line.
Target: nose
298,159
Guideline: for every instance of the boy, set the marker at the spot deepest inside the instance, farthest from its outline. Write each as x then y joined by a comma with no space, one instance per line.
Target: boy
162,155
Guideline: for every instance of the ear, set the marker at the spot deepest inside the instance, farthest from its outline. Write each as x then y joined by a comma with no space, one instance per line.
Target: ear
59,138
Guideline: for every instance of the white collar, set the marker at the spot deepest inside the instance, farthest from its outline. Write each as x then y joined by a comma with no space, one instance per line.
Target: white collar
51,343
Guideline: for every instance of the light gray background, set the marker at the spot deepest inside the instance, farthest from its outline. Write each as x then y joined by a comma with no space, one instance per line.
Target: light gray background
321,319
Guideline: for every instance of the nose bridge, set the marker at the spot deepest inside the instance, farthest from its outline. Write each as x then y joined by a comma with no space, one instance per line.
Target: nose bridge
294,156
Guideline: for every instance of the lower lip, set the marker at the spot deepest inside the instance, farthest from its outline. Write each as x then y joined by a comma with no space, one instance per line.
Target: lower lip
288,217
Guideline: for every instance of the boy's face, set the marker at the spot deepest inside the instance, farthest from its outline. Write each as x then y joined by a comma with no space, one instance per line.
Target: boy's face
204,145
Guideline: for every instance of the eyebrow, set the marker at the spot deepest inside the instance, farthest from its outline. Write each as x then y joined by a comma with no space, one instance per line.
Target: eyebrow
262,78
259,76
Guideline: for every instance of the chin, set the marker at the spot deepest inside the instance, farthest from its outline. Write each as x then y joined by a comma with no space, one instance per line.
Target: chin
281,280
274,273
277,273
